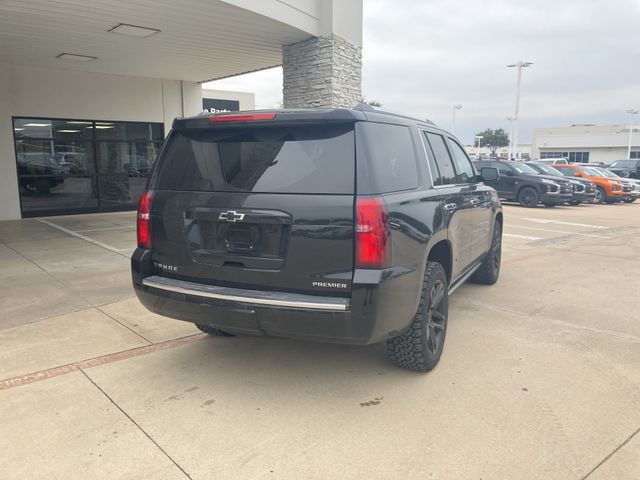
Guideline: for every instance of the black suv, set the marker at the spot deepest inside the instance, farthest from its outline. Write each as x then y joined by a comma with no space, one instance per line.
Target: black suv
583,189
338,225
629,168
522,183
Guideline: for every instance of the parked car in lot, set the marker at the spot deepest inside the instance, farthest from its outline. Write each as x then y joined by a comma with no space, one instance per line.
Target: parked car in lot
608,190
337,225
39,172
138,166
521,183
583,190
629,168
635,183
628,185
554,161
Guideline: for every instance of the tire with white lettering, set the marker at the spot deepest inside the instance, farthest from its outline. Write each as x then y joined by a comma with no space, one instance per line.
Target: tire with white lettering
213,331
420,347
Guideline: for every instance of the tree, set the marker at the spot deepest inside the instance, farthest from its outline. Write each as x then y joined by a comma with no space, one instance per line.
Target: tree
373,103
493,139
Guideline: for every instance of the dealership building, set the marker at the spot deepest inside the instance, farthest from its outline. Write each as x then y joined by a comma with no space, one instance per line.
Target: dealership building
586,143
89,89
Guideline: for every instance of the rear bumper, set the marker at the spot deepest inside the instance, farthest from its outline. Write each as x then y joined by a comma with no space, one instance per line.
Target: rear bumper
381,305
247,297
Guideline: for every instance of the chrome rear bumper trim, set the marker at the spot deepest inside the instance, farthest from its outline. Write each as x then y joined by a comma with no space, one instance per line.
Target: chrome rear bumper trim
253,297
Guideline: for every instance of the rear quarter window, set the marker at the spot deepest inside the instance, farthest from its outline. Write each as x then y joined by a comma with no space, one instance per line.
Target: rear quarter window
311,159
386,158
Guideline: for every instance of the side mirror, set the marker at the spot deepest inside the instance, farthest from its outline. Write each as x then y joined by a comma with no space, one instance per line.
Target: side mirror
489,174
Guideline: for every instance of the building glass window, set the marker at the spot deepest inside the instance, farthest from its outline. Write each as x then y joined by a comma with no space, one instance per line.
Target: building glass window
73,166
577,157
635,155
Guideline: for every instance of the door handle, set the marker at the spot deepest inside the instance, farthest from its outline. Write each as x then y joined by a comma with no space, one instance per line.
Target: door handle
450,207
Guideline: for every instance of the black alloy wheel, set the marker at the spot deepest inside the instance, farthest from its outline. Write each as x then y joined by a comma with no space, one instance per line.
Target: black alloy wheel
528,197
436,318
420,347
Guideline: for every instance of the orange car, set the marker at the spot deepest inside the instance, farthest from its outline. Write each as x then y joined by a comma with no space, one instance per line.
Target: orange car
608,190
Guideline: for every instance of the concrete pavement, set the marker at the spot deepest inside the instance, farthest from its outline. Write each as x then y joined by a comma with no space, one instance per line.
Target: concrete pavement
540,377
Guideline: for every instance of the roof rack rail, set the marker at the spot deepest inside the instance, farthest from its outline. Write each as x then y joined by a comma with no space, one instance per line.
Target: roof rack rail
365,107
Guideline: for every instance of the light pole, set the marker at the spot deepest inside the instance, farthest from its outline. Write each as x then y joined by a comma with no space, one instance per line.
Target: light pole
478,138
511,119
520,65
631,112
455,107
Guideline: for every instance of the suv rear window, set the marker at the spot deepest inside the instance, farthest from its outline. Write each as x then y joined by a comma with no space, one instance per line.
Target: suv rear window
318,159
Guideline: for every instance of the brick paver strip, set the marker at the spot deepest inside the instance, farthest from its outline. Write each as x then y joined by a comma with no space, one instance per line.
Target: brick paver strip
97,361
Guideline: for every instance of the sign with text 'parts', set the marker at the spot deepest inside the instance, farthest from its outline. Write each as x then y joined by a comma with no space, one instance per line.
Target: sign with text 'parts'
216,105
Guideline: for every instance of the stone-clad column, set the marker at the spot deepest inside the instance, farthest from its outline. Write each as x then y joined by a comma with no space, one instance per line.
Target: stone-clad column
322,72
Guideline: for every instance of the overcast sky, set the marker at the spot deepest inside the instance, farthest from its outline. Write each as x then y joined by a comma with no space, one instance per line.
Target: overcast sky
421,57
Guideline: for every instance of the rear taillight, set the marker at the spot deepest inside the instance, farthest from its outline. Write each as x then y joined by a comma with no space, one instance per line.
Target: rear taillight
372,239
242,117
143,220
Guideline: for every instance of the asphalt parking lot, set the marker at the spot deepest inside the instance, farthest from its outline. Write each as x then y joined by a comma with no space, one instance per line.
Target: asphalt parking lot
540,377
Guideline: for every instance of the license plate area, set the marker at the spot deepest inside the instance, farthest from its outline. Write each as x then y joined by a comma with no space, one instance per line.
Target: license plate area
259,240
240,238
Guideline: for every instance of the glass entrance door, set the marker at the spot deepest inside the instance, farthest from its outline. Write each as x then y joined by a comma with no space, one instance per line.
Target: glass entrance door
78,166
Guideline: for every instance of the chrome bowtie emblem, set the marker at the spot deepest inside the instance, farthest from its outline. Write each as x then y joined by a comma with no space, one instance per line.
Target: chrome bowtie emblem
231,216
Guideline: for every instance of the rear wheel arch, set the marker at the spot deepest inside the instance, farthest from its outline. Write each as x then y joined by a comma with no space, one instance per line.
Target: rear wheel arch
441,253
500,219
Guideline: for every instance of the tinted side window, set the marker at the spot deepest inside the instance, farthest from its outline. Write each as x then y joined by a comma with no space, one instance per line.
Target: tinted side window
267,160
442,159
433,166
464,168
624,164
503,169
386,158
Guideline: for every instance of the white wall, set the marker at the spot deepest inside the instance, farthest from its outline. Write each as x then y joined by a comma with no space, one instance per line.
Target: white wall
9,201
342,17
605,143
301,14
606,155
40,92
316,17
